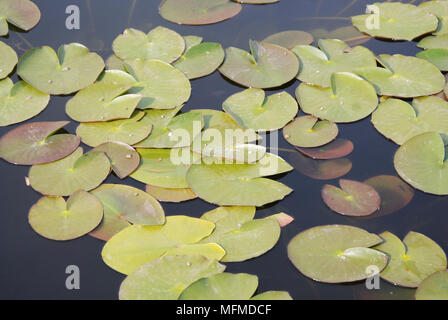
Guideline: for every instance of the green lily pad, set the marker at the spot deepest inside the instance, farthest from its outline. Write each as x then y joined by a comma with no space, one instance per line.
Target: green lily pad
136,245
9,59
53,218
412,260
434,42
309,132
167,277
435,287
191,41
349,98
123,158
201,60
397,21
222,286
20,102
23,14
239,234
267,66
272,295
36,143
104,100
290,38
160,43
198,12
171,194
217,120
348,34
421,162
439,9
253,110
334,55
336,149
400,121
438,57
65,176
404,76
352,199
73,68
129,131
115,63
335,253
161,85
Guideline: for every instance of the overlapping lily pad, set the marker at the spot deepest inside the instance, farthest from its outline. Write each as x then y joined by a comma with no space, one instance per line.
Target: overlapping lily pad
167,277
317,66
217,119
267,65
115,63
439,9
434,42
9,59
336,253
198,12
290,38
73,68
170,194
437,57
23,14
272,295
350,98
309,132
435,287
123,158
55,219
253,110
412,260
160,43
136,245
336,149
65,176
37,143
348,34
282,218
352,199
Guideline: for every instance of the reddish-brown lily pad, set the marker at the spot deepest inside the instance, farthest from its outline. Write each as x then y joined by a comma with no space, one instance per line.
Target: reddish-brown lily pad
337,149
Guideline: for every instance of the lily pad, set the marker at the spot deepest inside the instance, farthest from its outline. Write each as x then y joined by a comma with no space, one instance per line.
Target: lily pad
400,121
217,119
438,57
161,85
335,253
421,162
253,110
353,199
167,277
104,100
137,245
412,260
65,176
129,131
9,59
20,102
198,12
73,68
222,286
404,76
37,143
349,99
309,132
23,14
55,219
396,21
290,38
171,194
282,218
160,43
267,66
336,149
348,34
191,41
123,158
439,9
334,55
434,42
435,287
272,295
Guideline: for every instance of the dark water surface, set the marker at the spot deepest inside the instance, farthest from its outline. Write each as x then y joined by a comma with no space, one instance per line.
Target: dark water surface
32,267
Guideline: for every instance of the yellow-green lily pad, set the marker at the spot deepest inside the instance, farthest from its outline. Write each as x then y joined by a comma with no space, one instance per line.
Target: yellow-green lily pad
170,194
115,63
272,295
217,119
438,57
348,34
23,14
434,287
290,38
439,9
309,132
434,42
9,59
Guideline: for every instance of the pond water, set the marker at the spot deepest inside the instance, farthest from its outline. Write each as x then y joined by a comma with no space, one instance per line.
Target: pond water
34,268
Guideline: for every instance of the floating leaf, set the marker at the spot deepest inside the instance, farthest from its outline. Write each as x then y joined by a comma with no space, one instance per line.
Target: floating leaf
336,149
103,100
335,253
137,245
9,59
191,41
353,199
115,63
289,39
253,110
160,43
53,218
167,277
267,65
412,260
334,55
348,34
434,42
396,21
123,158
222,286
439,9
20,102
421,162
37,143
198,12
217,119
65,176
309,132
24,14
272,295
282,218
170,194
71,69
438,57
435,287
349,99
